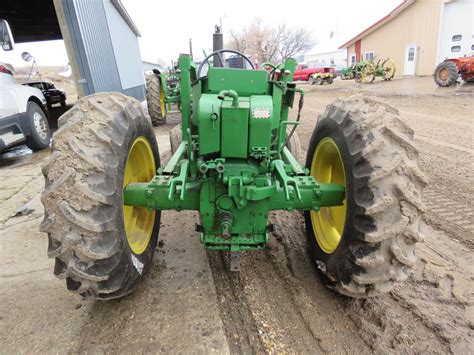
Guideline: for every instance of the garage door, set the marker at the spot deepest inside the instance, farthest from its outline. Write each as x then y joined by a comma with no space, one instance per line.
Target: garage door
456,34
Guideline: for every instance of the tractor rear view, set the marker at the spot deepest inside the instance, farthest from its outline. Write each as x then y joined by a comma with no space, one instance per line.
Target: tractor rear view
234,163
448,71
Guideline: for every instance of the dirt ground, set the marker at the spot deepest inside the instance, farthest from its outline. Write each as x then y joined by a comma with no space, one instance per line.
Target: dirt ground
191,302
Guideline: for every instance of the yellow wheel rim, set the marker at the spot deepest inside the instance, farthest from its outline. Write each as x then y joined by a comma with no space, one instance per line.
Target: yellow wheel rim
162,102
328,223
138,221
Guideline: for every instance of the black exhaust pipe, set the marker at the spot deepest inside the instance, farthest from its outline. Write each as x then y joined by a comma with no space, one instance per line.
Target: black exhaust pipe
217,44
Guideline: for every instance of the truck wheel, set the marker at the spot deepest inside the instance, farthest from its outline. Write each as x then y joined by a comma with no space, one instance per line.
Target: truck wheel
311,80
155,100
102,248
318,81
367,244
40,134
446,74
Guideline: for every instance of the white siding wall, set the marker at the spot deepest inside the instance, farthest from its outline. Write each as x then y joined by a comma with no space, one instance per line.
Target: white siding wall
126,49
340,58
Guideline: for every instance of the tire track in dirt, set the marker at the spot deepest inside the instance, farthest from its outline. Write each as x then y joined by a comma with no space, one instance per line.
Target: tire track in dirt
451,216
448,197
281,299
240,327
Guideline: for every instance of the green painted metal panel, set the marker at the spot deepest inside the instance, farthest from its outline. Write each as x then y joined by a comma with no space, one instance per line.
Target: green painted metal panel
209,124
260,132
244,82
235,127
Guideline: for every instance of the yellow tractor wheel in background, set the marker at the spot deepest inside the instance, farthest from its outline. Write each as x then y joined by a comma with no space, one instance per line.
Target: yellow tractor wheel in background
155,99
367,74
389,69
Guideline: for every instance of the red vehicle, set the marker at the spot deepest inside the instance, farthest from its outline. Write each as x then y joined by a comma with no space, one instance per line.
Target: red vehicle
314,75
447,72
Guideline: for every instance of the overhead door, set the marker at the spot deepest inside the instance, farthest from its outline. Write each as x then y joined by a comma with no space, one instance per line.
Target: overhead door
456,32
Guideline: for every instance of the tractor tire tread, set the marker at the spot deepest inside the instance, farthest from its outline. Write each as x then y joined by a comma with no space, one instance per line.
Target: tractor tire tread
388,186
294,144
82,197
175,138
452,74
153,100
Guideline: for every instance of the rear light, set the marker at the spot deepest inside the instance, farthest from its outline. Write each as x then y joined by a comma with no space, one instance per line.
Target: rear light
3,69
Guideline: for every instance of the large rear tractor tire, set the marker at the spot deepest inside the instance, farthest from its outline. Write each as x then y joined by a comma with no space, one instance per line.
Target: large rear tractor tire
446,74
363,247
155,100
102,248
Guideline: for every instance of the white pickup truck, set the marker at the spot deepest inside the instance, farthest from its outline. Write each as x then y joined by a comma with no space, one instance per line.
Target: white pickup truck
23,112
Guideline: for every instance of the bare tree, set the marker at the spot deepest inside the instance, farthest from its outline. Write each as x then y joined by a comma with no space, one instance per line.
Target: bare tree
270,44
295,41
238,41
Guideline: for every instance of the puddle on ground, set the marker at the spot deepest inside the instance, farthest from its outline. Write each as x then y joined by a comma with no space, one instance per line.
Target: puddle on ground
21,155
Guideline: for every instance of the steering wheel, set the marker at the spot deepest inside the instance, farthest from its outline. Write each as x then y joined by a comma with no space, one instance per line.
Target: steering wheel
218,53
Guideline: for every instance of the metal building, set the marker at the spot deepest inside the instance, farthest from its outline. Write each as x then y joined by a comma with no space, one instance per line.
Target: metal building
100,38
417,35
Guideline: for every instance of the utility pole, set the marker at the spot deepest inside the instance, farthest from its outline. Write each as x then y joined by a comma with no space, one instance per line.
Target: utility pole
191,47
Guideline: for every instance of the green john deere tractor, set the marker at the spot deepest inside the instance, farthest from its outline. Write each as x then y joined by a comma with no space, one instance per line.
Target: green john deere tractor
162,95
234,164
367,70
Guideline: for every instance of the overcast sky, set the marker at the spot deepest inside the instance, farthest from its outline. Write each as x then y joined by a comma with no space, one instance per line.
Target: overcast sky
166,26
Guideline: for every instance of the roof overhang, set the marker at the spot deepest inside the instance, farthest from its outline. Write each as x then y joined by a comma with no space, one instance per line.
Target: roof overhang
31,20
395,12
121,9
34,20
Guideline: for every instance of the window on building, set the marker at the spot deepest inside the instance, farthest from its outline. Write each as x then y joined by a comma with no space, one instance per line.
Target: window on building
353,59
369,55
472,47
332,61
457,38
411,54
456,49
